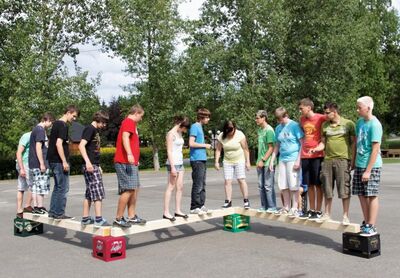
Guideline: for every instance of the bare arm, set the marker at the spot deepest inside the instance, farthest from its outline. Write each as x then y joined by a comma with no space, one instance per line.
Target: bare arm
193,144
218,150
372,159
273,157
245,148
296,165
82,149
266,155
60,150
125,142
39,154
20,150
320,147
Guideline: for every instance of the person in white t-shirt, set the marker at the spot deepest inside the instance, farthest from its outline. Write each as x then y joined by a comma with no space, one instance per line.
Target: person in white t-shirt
175,167
236,161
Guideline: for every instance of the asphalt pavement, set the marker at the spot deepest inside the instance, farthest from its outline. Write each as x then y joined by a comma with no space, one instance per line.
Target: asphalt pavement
268,249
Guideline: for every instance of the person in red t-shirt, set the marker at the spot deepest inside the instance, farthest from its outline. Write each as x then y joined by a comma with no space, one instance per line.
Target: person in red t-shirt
126,162
310,160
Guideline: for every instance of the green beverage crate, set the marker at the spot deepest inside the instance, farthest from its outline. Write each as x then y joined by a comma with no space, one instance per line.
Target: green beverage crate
24,227
236,223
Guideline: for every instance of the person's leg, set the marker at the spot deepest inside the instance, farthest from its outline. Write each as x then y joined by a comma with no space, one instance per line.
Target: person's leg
244,188
57,196
373,207
172,182
122,203
286,198
294,183
203,189
311,196
261,187
283,185
179,193
327,181
228,189
97,208
86,207
316,181
306,168
343,178
269,183
132,203
197,186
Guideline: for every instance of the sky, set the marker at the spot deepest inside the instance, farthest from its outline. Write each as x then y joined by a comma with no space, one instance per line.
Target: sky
111,69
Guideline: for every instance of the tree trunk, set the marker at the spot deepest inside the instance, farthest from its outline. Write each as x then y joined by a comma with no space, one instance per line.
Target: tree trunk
156,160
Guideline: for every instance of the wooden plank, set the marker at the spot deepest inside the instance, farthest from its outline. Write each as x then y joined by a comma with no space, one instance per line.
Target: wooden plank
69,224
165,223
329,225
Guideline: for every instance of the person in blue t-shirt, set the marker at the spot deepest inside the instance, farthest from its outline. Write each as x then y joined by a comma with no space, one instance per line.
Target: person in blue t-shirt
198,159
289,139
367,174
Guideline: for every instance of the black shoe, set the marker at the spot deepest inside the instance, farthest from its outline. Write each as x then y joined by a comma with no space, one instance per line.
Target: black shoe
20,215
246,203
28,209
37,210
227,204
185,216
63,217
172,219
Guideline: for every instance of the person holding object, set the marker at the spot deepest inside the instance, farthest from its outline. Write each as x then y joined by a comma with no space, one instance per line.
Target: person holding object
175,168
236,161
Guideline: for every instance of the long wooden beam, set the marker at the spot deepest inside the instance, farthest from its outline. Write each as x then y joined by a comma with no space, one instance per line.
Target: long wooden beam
69,224
165,223
329,225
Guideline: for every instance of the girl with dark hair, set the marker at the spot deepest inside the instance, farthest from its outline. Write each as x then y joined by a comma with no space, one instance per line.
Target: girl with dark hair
236,160
175,167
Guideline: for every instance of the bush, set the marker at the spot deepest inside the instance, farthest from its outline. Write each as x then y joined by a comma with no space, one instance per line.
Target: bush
7,169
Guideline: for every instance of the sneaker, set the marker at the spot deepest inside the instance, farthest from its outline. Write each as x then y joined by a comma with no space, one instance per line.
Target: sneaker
246,204
282,211
368,230
293,213
304,214
197,211
102,223
262,210
63,217
205,209
137,220
37,210
44,210
88,221
28,209
20,215
227,204
271,210
315,215
122,223
323,218
345,221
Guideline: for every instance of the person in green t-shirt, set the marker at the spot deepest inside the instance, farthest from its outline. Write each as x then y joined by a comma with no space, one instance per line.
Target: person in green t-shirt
266,142
338,141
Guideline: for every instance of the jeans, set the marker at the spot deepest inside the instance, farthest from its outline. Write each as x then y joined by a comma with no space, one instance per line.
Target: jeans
199,184
61,188
266,187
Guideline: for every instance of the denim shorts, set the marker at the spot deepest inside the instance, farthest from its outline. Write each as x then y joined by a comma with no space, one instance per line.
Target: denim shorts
178,168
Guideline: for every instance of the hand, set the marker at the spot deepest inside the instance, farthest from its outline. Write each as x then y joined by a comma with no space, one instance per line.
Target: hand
42,168
22,173
89,167
173,171
216,165
65,166
260,164
311,151
208,146
131,159
352,166
271,166
296,166
101,170
248,166
365,176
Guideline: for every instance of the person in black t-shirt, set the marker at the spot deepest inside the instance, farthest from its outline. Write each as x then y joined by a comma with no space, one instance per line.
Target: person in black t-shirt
90,151
58,156
38,165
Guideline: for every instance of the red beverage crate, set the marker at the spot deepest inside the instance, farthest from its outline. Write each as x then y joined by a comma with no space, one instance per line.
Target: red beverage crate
109,248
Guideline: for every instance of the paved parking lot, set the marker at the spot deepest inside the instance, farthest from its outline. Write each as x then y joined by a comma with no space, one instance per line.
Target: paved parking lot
268,249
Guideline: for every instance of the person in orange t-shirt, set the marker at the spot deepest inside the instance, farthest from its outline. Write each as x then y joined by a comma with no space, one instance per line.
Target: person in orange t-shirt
310,160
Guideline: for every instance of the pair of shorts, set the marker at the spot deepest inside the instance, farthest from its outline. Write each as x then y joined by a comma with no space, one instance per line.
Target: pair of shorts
234,170
336,171
40,181
128,177
24,183
178,168
311,168
369,188
94,184
288,178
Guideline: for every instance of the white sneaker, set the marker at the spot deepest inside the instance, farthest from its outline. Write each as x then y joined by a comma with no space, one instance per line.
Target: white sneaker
293,213
345,221
323,218
197,211
281,211
205,210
